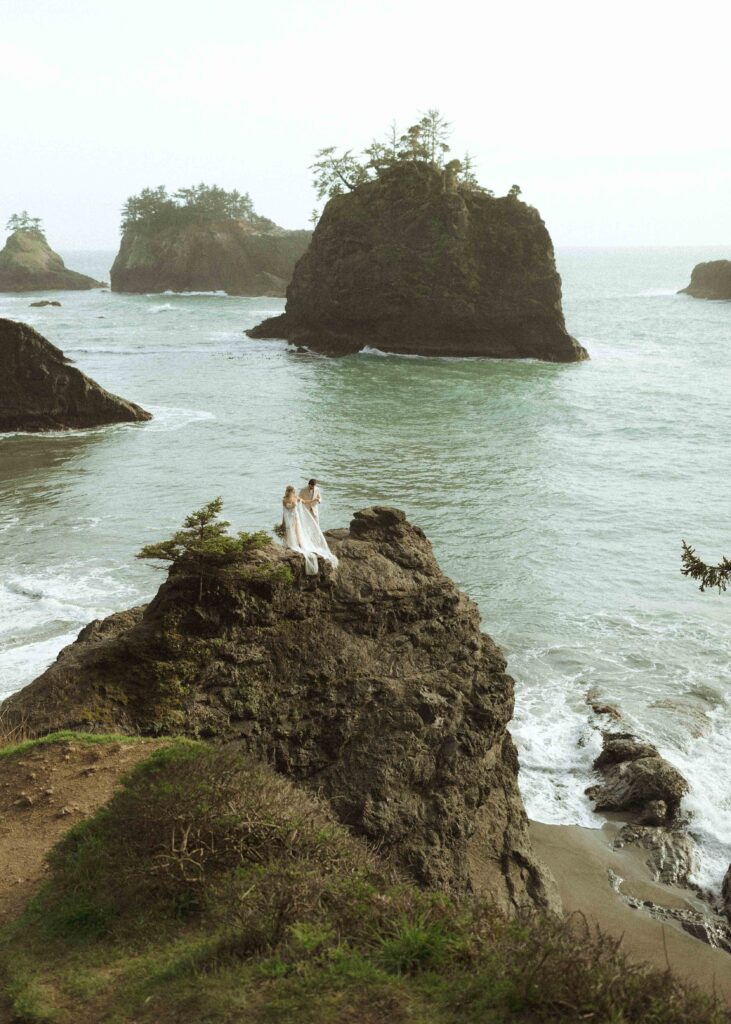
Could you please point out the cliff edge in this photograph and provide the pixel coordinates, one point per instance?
(40, 390)
(29, 264)
(371, 685)
(201, 255)
(415, 263)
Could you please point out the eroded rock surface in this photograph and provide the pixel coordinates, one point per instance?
(673, 855)
(417, 264)
(231, 256)
(41, 390)
(372, 684)
(636, 779)
(726, 893)
(711, 280)
(28, 264)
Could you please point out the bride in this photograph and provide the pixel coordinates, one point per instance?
(302, 532)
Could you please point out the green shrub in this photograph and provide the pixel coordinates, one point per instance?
(212, 889)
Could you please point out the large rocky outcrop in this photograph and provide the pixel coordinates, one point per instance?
(40, 390)
(414, 263)
(29, 264)
(710, 280)
(637, 779)
(198, 255)
(372, 685)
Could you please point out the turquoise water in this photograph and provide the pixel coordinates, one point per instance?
(557, 496)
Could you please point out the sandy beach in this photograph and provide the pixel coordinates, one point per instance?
(597, 880)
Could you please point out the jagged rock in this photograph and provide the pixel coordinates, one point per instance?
(607, 709)
(45, 302)
(654, 813)
(636, 778)
(708, 930)
(726, 893)
(372, 685)
(231, 256)
(622, 746)
(40, 390)
(416, 264)
(29, 264)
(711, 280)
(673, 853)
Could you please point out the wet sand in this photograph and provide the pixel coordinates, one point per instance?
(593, 878)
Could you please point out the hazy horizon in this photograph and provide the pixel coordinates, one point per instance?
(613, 127)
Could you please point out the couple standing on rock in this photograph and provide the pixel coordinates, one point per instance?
(302, 528)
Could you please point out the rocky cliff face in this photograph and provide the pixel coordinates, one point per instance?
(372, 685)
(412, 263)
(230, 256)
(710, 280)
(40, 390)
(28, 264)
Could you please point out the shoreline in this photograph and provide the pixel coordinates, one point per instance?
(596, 880)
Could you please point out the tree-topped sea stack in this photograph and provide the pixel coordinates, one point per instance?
(710, 280)
(29, 264)
(40, 390)
(411, 255)
(203, 239)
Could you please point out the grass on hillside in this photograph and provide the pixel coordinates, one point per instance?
(86, 739)
(210, 889)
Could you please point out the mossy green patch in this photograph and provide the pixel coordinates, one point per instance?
(68, 736)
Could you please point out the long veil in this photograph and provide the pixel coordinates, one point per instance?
(303, 534)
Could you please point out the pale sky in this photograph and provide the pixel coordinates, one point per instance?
(612, 117)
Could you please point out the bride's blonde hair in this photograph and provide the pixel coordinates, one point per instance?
(287, 491)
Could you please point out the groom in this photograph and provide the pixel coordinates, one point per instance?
(312, 493)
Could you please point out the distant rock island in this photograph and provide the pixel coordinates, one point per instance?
(203, 239)
(415, 257)
(710, 280)
(40, 390)
(29, 264)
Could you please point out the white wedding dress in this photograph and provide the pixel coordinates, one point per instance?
(302, 533)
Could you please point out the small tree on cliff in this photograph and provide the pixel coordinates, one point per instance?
(335, 174)
(24, 222)
(203, 546)
(424, 142)
(707, 575)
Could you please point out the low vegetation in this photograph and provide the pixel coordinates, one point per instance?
(210, 889)
(156, 207)
(10, 745)
(203, 548)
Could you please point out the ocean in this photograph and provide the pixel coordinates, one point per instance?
(555, 495)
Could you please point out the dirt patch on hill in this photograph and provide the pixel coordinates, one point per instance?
(44, 790)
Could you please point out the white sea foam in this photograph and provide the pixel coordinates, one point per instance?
(557, 746)
(193, 295)
(19, 665)
(42, 611)
(167, 418)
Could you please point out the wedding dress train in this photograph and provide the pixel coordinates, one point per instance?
(302, 533)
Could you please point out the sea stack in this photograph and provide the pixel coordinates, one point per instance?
(29, 264)
(710, 280)
(371, 685)
(207, 256)
(40, 390)
(415, 262)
